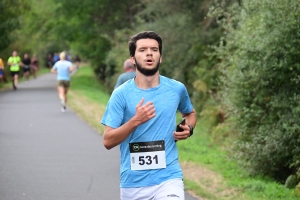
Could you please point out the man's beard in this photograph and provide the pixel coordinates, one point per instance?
(144, 71)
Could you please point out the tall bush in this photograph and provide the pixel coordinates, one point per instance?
(260, 54)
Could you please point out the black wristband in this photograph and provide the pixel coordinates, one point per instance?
(191, 130)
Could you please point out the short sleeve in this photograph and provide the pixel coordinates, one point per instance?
(185, 104)
(114, 112)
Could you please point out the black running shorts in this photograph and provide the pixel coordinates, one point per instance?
(13, 73)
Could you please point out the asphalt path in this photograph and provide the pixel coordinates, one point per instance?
(49, 155)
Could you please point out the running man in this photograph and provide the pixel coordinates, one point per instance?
(14, 62)
(49, 61)
(77, 61)
(26, 66)
(62, 68)
(34, 65)
(141, 117)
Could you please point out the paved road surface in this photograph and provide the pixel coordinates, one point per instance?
(49, 155)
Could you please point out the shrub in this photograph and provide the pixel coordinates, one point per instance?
(260, 65)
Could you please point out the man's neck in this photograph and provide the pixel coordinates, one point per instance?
(146, 82)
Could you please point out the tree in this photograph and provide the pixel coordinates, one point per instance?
(9, 19)
(91, 26)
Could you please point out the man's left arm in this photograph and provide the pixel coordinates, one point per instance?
(190, 123)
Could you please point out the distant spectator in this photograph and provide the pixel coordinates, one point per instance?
(128, 74)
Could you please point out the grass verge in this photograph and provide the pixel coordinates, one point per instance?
(88, 98)
(209, 171)
(212, 170)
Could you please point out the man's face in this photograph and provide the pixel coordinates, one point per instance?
(14, 53)
(147, 56)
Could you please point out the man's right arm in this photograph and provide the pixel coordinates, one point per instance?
(115, 136)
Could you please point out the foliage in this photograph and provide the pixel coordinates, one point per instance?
(91, 25)
(291, 181)
(186, 34)
(9, 19)
(259, 56)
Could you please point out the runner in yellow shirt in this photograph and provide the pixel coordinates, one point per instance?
(14, 62)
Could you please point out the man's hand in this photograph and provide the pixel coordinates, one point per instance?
(114, 136)
(183, 134)
(144, 112)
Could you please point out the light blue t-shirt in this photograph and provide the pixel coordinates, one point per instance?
(62, 68)
(168, 97)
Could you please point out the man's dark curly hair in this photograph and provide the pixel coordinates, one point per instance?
(144, 35)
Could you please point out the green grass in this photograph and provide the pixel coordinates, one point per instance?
(85, 83)
(201, 150)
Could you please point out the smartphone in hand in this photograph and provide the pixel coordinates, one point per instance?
(178, 129)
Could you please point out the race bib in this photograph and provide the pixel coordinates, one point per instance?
(147, 155)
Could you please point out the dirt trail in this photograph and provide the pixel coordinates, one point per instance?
(208, 180)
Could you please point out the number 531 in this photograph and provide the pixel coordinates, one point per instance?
(148, 160)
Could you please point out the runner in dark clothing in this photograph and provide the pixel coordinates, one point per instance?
(77, 61)
(49, 61)
(26, 66)
(34, 65)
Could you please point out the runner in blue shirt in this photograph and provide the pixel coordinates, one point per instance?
(141, 117)
(62, 68)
